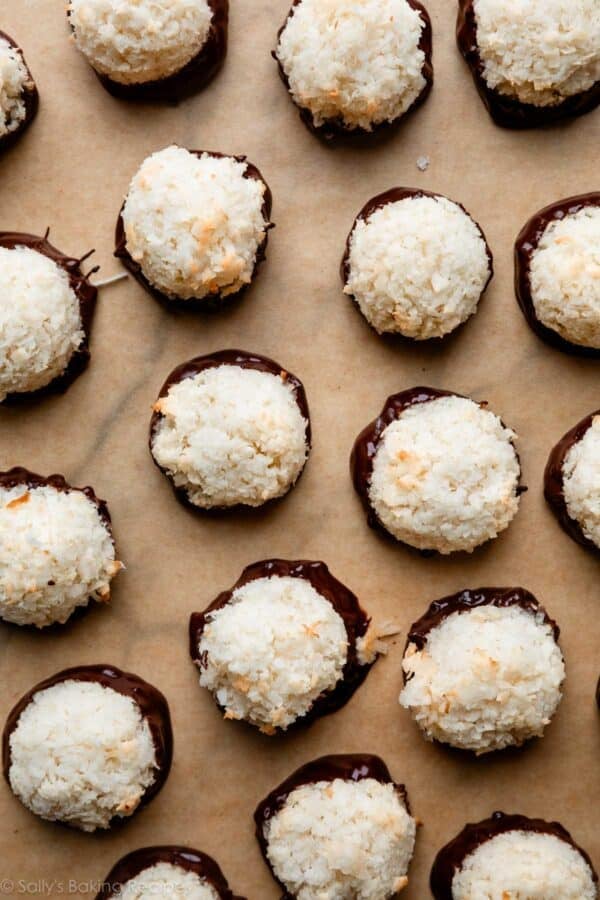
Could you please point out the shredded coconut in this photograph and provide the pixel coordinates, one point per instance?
(40, 322)
(342, 839)
(14, 81)
(231, 435)
(445, 476)
(194, 224)
(167, 882)
(417, 266)
(565, 277)
(81, 754)
(581, 482)
(357, 61)
(539, 51)
(131, 41)
(523, 865)
(487, 678)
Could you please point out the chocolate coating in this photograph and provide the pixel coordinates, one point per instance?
(337, 594)
(554, 484)
(451, 857)
(509, 112)
(335, 129)
(190, 860)
(525, 247)
(394, 195)
(211, 302)
(152, 704)
(31, 99)
(244, 360)
(86, 294)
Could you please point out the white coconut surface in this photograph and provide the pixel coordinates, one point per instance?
(417, 266)
(56, 553)
(487, 678)
(133, 42)
(342, 839)
(360, 62)
(445, 476)
(565, 277)
(581, 482)
(14, 81)
(194, 224)
(231, 435)
(40, 323)
(81, 754)
(523, 865)
(167, 882)
(539, 51)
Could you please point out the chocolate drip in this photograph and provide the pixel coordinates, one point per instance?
(31, 101)
(509, 112)
(451, 857)
(337, 594)
(526, 245)
(213, 302)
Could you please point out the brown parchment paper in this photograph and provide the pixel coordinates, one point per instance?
(71, 172)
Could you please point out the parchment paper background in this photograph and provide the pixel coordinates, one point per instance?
(71, 172)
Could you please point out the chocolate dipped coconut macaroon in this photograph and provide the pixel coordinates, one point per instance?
(509, 856)
(19, 97)
(338, 827)
(164, 50)
(557, 274)
(88, 746)
(534, 62)
(355, 68)
(437, 471)
(416, 264)
(194, 227)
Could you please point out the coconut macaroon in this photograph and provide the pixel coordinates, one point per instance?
(163, 50)
(338, 827)
(483, 670)
(88, 746)
(56, 549)
(512, 856)
(416, 264)
(230, 429)
(18, 94)
(46, 310)
(557, 263)
(194, 226)
(351, 67)
(287, 644)
(533, 61)
(437, 471)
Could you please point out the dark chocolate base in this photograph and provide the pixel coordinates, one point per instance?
(525, 246)
(341, 599)
(31, 99)
(190, 860)
(508, 112)
(244, 360)
(394, 195)
(334, 130)
(214, 302)
(85, 292)
(451, 857)
(153, 707)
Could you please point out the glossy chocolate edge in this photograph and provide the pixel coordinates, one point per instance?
(506, 111)
(334, 129)
(214, 302)
(554, 484)
(525, 246)
(153, 707)
(31, 99)
(244, 360)
(394, 195)
(186, 858)
(450, 858)
(343, 601)
(346, 766)
(87, 296)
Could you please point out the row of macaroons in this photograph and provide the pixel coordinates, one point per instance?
(532, 63)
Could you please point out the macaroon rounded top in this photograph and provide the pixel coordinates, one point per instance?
(416, 264)
(17, 89)
(167, 880)
(353, 66)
